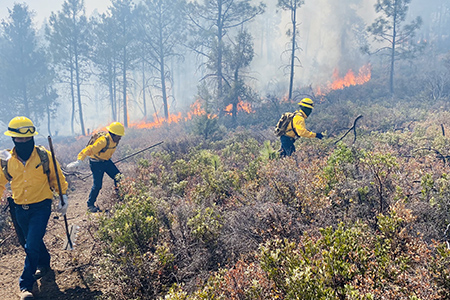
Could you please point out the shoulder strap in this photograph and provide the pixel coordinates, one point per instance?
(107, 143)
(45, 162)
(292, 124)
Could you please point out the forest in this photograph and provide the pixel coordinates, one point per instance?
(214, 212)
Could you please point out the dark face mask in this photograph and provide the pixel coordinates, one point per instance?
(115, 138)
(24, 150)
(306, 110)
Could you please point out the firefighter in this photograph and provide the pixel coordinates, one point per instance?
(99, 153)
(297, 128)
(32, 177)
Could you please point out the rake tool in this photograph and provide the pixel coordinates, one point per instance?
(131, 155)
(67, 245)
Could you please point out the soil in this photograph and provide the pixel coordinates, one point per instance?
(72, 275)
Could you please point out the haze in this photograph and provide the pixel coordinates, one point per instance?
(329, 41)
(43, 8)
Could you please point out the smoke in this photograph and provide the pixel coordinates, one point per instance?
(331, 34)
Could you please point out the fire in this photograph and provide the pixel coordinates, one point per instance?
(241, 106)
(364, 75)
(158, 123)
(195, 110)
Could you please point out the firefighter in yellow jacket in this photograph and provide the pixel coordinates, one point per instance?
(297, 128)
(99, 154)
(32, 192)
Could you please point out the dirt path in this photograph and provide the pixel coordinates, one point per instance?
(72, 276)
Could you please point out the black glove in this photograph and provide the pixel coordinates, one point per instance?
(319, 135)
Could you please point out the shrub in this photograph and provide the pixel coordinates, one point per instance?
(137, 263)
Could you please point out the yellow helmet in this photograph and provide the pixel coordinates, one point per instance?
(306, 102)
(21, 127)
(116, 128)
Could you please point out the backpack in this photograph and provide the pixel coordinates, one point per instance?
(96, 136)
(43, 155)
(281, 127)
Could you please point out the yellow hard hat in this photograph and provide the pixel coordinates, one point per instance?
(21, 127)
(306, 102)
(116, 128)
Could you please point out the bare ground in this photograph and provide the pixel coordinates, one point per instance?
(72, 275)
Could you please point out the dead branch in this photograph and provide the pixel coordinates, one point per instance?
(7, 238)
(351, 128)
(443, 157)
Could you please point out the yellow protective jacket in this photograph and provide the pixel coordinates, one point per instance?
(29, 183)
(299, 126)
(95, 150)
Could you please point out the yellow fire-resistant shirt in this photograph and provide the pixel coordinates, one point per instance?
(95, 150)
(29, 183)
(299, 126)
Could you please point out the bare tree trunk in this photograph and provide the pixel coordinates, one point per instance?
(124, 77)
(144, 102)
(394, 37)
(294, 32)
(163, 76)
(219, 56)
(111, 90)
(235, 97)
(80, 107)
(72, 94)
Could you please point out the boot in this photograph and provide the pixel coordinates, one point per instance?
(41, 271)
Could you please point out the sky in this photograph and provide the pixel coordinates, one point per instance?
(43, 8)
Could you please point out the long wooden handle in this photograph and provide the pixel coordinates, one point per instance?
(61, 198)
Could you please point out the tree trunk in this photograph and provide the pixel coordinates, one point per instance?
(394, 37)
(80, 107)
(235, 97)
(294, 32)
(219, 55)
(144, 102)
(72, 94)
(124, 77)
(111, 90)
(163, 76)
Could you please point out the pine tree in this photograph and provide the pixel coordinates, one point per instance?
(162, 31)
(213, 21)
(26, 76)
(68, 33)
(387, 30)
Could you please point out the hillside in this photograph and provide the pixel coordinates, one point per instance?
(211, 214)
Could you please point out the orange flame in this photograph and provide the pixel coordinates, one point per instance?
(241, 106)
(158, 123)
(196, 110)
(364, 75)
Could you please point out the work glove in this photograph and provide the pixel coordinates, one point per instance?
(5, 155)
(62, 209)
(73, 165)
(319, 135)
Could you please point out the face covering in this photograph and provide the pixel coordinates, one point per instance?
(306, 110)
(24, 150)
